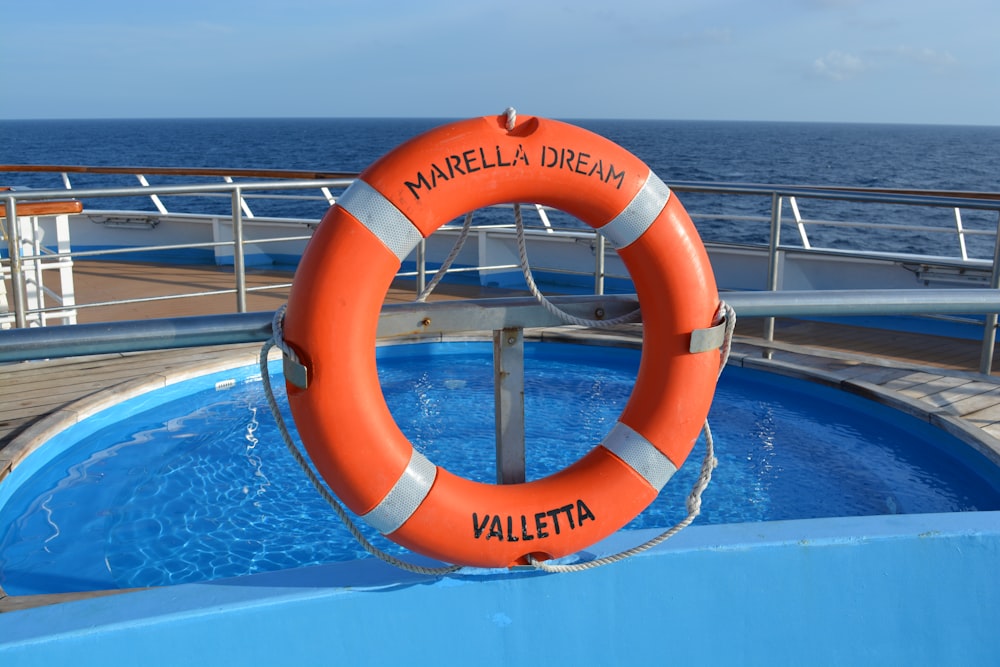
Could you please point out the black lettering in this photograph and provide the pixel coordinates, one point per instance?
(455, 165)
(540, 525)
(618, 176)
(554, 154)
(496, 528)
(482, 158)
(581, 163)
(492, 526)
(421, 183)
(524, 529)
(477, 528)
(522, 155)
(555, 516)
(566, 159)
(583, 512)
(555, 519)
(469, 158)
(598, 169)
(500, 162)
(569, 515)
(437, 172)
(511, 537)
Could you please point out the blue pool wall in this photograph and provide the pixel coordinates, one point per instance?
(914, 590)
(903, 589)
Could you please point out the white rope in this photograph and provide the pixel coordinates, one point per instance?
(443, 269)
(511, 114)
(522, 251)
(693, 501)
(694, 497)
(277, 340)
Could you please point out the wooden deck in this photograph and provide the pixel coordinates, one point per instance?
(920, 373)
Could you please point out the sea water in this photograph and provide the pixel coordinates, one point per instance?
(931, 157)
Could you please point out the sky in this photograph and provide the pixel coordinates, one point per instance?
(882, 61)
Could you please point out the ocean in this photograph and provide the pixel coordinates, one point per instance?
(930, 157)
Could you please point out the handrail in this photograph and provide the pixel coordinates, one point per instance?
(404, 320)
(295, 180)
(181, 171)
(192, 188)
(786, 189)
(680, 186)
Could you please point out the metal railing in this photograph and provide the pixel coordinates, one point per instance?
(507, 318)
(776, 198)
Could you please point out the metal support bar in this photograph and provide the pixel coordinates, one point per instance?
(239, 265)
(990, 326)
(773, 272)
(421, 265)
(16, 269)
(508, 390)
(599, 263)
(155, 199)
(410, 319)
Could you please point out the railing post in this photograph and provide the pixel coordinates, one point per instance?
(16, 269)
(990, 325)
(508, 388)
(421, 266)
(599, 263)
(239, 267)
(803, 235)
(773, 269)
(961, 234)
(243, 204)
(154, 198)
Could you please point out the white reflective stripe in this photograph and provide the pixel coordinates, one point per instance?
(640, 213)
(381, 217)
(640, 455)
(404, 497)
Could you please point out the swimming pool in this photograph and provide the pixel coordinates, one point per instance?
(195, 483)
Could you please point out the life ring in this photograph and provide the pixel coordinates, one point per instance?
(346, 271)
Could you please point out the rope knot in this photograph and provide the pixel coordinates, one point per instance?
(278, 333)
(511, 114)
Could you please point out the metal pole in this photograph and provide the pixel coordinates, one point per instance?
(599, 264)
(16, 269)
(508, 389)
(421, 265)
(773, 270)
(239, 267)
(990, 325)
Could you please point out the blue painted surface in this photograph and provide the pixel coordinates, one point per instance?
(914, 590)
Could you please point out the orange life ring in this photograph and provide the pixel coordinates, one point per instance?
(346, 272)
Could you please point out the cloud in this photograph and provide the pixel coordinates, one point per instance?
(839, 66)
(936, 61)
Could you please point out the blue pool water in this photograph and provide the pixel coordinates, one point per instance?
(195, 483)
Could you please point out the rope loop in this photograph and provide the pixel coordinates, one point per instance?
(541, 298)
(277, 340)
(694, 500)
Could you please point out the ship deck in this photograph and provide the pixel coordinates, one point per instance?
(932, 377)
